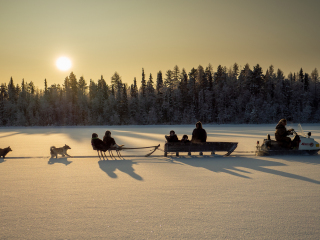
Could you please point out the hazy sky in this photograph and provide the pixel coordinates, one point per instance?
(102, 36)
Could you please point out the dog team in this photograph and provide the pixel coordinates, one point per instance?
(101, 145)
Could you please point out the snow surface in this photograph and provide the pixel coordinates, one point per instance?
(199, 197)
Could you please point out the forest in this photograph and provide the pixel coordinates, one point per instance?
(227, 95)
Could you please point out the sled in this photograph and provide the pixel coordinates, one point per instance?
(305, 146)
(119, 148)
(201, 147)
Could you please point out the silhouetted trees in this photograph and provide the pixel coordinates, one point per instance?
(231, 95)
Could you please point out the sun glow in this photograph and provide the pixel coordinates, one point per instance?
(63, 63)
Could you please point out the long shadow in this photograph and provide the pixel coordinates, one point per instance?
(59, 160)
(231, 166)
(314, 159)
(109, 167)
(9, 135)
(2, 160)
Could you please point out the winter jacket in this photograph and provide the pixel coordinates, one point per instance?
(281, 133)
(199, 135)
(98, 144)
(108, 141)
(173, 138)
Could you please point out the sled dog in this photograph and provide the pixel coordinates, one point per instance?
(62, 151)
(4, 151)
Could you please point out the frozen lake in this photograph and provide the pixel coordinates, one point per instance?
(157, 197)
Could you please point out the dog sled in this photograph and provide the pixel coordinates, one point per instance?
(118, 148)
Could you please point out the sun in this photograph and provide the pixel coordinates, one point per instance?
(63, 63)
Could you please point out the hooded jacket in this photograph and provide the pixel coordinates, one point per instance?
(98, 144)
(108, 141)
(281, 132)
(199, 135)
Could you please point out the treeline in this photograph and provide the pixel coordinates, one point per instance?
(176, 97)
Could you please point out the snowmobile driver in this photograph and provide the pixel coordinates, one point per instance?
(282, 133)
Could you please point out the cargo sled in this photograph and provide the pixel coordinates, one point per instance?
(201, 147)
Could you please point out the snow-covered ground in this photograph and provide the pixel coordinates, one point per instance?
(199, 197)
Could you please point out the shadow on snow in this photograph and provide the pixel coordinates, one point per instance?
(59, 160)
(109, 167)
(234, 165)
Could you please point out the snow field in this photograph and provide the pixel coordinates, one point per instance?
(241, 196)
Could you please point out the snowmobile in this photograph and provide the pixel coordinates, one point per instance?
(301, 145)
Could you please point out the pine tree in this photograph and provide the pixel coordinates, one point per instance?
(184, 89)
(193, 95)
(92, 89)
(159, 98)
(11, 91)
(257, 80)
(116, 81)
(124, 113)
(301, 75)
(218, 76)
(133, 103)
(235, 70)
(175, 75)
(150, 87)
(209, 76)
(201, 79)
(45, 87)
(159, 82)
(306, 82)
(103, 88)
(150, 96)
(143, 84)
(315, 92)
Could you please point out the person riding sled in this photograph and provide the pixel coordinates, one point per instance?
(110, 142)
(172, 137)
(97, 143)
(282, 133)
(199, 134)
(185, 139)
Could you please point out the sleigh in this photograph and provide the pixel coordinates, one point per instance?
(118, 149)
(201, 147)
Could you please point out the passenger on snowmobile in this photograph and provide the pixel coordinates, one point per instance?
(282, 133)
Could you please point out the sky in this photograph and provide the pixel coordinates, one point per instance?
(102, 37)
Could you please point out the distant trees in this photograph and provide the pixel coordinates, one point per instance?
(233, 95)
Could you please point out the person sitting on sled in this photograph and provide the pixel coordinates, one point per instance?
(199, 134)
(110, 142)
(185, 139)
(97, 143)
(282, 133)
(172, 137)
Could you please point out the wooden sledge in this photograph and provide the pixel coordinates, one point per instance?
(118, 148)
(189, 147)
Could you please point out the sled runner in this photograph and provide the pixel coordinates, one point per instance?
(305, 145)
(201, 147)
(118, 148)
